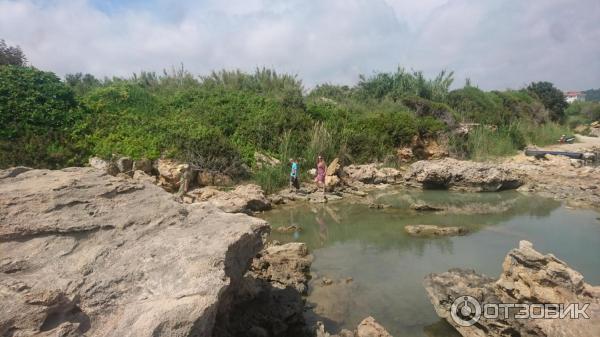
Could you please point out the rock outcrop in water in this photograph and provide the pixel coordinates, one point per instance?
(527, 277)
(368, 327)
(86, 253)
(460, 175)
(433, 230)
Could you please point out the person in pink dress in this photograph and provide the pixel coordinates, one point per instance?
(321, 171)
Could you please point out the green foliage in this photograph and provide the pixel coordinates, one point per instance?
(592, 95)
(37, 113)
(271, 178)
(581, 113)
(11, 55)
(551, 97)
(402, 83)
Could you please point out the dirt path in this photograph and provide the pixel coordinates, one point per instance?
(583, 142)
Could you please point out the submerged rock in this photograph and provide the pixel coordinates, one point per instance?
(432, 230)
(527, 277)
(288, 229)
(85, 253)
(461, 175)
(425, 208)
(368, 327)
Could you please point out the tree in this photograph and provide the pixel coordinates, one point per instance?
(11, 55)
(552, 98)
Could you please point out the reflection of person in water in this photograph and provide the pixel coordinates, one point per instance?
(323, 230)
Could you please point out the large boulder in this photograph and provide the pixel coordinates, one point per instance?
(460, 175)
(85, 253)
(243, 199)
(286, 265)
(372, 174)
(209, 178)
(528, 277)
(144, 165)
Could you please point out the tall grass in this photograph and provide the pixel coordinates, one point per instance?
(484, 143)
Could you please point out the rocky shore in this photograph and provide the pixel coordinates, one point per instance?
(528, 277)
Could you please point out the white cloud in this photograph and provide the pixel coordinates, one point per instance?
(498, 44)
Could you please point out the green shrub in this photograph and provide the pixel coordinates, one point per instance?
(37, 112)
(271, 178)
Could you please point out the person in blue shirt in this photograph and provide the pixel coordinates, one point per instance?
(294, 182)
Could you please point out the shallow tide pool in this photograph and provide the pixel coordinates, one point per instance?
(378, 269)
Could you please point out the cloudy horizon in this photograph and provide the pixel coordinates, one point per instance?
(497, 44)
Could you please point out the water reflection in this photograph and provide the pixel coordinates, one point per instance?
(387, 266)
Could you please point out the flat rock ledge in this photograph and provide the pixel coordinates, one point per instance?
(527, 277)
(433, 230)
(461, 175)
(86, 253)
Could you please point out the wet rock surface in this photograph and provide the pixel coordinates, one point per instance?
(461, 175)
(85, 253)
(527, 277)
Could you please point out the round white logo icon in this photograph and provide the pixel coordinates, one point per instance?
(465, 310)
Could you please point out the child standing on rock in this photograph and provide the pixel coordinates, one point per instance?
(294, 175)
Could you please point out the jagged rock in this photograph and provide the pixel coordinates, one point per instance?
(425, 208)
(461, 175)
(87, 253)
(331, 182)
(242, 199)
(527, 277)
(286, 265)
(144, 165)
(125, 164)
(372, 174)
(206, 178)
(169, 174)
(432, 230)
(334, 167)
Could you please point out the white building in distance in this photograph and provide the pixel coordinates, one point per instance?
(572, 96)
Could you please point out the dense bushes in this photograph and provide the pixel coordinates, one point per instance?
(38, 112)
(218, 122)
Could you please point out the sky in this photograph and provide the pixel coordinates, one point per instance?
(497, 44)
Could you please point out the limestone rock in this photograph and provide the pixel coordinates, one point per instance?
(527, 277)
(286, 265)
(125, 165)
(461, 175)
(206, 178)
(331, 182)
(170, 172)
(372, 174)
(144, 165)
(242, 199)
(432, 230)
(98, 163)
(143, 177)
(370, 328)
(83, 252)
(334, 167)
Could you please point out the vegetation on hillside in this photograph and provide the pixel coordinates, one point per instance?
(219, 121)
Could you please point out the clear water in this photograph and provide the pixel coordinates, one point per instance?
(387, 266)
